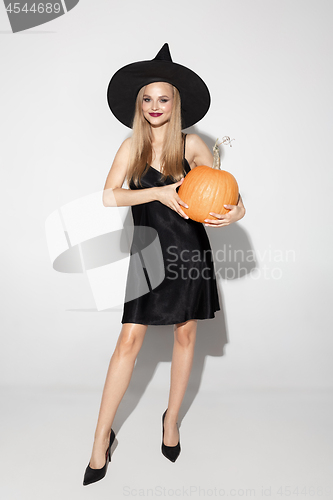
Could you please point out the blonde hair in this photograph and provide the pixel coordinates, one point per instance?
(141, 143)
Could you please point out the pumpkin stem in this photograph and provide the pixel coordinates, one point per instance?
(225, 140)
(216, 152)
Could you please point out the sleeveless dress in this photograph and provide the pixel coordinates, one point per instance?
(171, 276)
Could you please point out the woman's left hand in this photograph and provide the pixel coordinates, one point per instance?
(237, 212)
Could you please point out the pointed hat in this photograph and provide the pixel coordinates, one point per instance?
(128, 80)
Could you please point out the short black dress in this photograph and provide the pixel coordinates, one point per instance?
(171, 276)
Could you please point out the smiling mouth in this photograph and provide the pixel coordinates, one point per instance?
(155, 114)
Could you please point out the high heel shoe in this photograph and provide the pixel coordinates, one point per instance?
(170, 452)
(93, 475)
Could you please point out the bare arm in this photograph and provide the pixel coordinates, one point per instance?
(116, 196)
(197, 152)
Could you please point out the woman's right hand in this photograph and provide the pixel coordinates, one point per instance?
(169, 197)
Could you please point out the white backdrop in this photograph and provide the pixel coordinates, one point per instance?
(268, 67)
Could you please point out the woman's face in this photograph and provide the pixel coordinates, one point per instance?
(157, 103)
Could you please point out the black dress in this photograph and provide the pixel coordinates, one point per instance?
(171, 276)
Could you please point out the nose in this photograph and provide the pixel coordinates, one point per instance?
(154, 105)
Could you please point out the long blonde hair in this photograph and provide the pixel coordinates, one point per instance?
(141, 143)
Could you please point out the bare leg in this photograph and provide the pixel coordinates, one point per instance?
(182, 358)
(117, 380)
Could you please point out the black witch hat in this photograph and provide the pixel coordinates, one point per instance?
(127, 81)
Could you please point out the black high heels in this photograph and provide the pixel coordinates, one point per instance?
(93, 475)
(170, 452)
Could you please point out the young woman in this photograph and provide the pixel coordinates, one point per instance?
(167, 284)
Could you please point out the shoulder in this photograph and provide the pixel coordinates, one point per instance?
(126, 144)
(194, 143)
(124, 148)
(193, 140)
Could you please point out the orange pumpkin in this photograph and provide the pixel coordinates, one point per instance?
(207, 189)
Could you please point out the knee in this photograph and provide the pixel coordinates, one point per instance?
(185, 336)
(127, 345)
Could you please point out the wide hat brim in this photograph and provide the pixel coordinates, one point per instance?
(127, 81)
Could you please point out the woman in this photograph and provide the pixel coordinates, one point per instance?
(157, 99)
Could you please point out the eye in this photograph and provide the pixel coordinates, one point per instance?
(164, 100)
(146, 99)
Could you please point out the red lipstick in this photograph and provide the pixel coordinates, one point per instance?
(155, 114)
